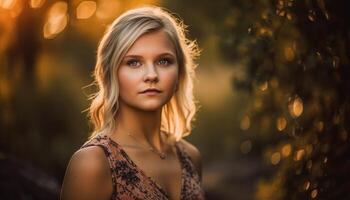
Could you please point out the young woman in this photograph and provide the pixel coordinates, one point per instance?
(143, 108)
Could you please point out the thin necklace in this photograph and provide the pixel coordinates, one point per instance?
(162, 155)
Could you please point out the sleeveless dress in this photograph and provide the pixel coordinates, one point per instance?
(130, 182)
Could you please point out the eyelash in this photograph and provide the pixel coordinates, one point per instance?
(169, 61)
(132, 62)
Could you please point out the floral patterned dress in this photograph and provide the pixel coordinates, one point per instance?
(130, 182)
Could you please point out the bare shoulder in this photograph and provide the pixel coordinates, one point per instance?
(87, 176)
(194, 153)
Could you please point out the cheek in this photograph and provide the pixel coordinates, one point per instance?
(171, 78)
(127, 80)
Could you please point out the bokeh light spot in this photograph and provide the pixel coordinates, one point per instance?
(307, 185)
(289, 53)
(36, 3)
(314, 193)
(86, 9)
(286, 150)
(57, 20)
(299, 154)
(264, 86)
(275, 158)
(7, 4)
(295, 107)
(245, 123)
(281, 123)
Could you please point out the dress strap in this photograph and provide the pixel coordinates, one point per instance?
(187, 162)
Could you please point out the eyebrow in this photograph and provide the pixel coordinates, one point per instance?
(160, 55)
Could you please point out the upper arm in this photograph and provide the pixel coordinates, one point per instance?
(87, 176)
(195, 155)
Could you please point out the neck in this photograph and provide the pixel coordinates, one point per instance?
(142, 125)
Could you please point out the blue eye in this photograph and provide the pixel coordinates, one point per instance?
(164, 61)
(133, 63)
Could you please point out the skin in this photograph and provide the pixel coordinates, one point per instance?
(150, 63)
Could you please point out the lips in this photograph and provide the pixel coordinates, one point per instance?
(151, 90)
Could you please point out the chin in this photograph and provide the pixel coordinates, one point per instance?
(151, 107)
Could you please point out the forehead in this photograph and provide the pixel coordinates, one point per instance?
(156, 42)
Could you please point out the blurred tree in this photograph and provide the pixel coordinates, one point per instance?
(296, 55)
(47, 53)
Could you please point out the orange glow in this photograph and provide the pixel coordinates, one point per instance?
(108, 9)
(311, 15)
(296, 107)
(307, 185)
(275, 158)
(36, 3)
(286, 150)
(264, 86)
(245, 123)
(13, 6)
(7, 4)
(17, 9)
(289, 53)
(7, 35)
(57, 20)
(86, 9)
(281, 123)
(314, 193)
(265, 31)
(299, 155)
(282, 13)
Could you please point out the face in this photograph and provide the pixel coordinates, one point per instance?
(150, 64)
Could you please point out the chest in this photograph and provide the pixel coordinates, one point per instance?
(164, 174)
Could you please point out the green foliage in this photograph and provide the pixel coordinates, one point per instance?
(297, 72)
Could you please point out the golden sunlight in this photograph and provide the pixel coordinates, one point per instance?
(295, 107)
(13, 7)
(286, 150)
(275, 158)
(107, 9)
(299, 154)
(264, 86)
(36, 3)
(7, 4)
(314, 193)
(281, 123)
(86, 9)
(57, 20)
(307, 185)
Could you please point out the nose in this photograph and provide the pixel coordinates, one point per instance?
(151, 74)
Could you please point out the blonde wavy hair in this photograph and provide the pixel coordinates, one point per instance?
(179, 112)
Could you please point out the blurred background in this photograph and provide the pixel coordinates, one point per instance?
(273, 83)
